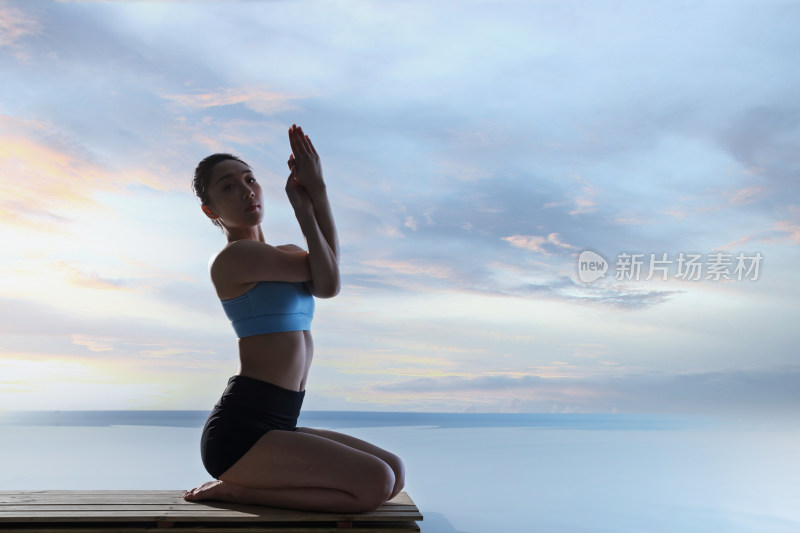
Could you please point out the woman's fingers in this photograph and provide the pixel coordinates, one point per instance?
(303, 140)
(300, 142)
(304, 160)
(297, 142)
(293, 141)
(311, 145)
(298, 196)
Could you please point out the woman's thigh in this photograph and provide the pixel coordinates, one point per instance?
(285, 459)
(388, 457)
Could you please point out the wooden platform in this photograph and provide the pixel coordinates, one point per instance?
(56, 511)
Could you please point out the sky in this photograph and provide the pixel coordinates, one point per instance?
(473, 152)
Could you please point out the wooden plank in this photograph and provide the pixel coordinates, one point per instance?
(232, 516)
(400, 510)
(46, 511)
(227, 513)
(116, 496)
(388, 527)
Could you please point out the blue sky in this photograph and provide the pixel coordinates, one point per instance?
(472, 150)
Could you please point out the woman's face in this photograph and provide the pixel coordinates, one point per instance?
(234, 195)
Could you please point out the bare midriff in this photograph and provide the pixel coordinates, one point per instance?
(282, 358)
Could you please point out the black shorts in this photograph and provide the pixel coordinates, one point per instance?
(247, 409)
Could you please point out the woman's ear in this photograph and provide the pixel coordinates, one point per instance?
(209, 213)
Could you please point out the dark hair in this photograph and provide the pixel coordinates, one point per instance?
(202, 175)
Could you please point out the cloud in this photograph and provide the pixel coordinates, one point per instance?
(589, 349)
(630, 219)
(259, 99)
(21, 328)
(459, 383)
(762, 138)
(745, 196)
(705, 204)
(15, 25)
(781, 232)
(410, 268)
(790, 229)
(623, 297)
(535, 243)
(160, 350)
(90, 280)
(739, 392)
(517, 276)
(94, 344)
(585, 201)
(45, 178)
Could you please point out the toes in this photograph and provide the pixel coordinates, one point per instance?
(204, 491)
(193, 494)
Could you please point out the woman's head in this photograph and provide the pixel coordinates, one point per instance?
(223, 183)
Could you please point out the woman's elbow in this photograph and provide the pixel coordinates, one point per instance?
(328, 293)
(334, 289)
(327, 290)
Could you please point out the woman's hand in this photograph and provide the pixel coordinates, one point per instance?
(298, 196)
(304, 161)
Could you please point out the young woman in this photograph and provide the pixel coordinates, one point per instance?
(250, 442)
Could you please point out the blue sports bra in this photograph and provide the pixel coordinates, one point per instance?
(270, 307)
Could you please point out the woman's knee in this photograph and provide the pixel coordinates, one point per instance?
(399, 470)
(398, 467)
(377, 486)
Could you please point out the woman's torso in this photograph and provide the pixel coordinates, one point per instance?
(281, 358)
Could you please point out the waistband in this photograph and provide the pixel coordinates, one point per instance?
(244, 391)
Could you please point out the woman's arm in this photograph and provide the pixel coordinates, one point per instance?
(308, 194)
(322, 261)
(322, 210)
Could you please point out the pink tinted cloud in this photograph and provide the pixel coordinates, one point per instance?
(536, 243)
(256, 98)
(410, 268)
(44, 178)
(15, 25)
(745, 196)
(781, 231)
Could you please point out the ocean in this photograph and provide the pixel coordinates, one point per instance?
(468, 472)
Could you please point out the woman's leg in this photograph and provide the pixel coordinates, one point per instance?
(389, 458)
(299, 470)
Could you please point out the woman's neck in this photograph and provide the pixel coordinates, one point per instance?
(252, 234)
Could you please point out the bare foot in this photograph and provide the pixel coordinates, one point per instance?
(213, 490)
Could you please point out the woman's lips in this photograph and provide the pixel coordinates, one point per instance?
(251, 207)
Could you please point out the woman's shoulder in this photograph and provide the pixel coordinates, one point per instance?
(246, 261)
(223, 267)
(232, 253)
(238, 250)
